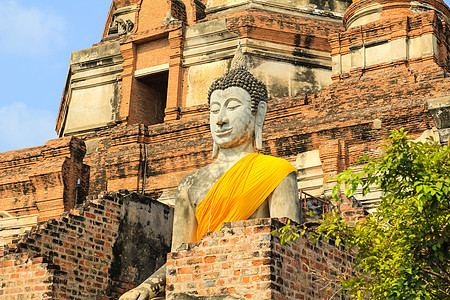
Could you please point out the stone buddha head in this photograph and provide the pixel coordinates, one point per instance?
(238, 106)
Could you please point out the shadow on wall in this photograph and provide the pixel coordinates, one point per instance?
(144, 239)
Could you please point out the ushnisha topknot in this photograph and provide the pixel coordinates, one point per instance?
(242, 78)
(239, 76)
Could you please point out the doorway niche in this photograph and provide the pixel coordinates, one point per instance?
(151, 93)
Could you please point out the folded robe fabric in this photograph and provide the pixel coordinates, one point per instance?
(240, 191)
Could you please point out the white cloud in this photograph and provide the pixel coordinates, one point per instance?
(29, 30)
(22, 126)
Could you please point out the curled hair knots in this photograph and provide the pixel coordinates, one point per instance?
(242, 78)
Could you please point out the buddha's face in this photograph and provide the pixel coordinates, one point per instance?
(231, 120)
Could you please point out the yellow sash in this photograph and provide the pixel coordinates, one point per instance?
(240, 191)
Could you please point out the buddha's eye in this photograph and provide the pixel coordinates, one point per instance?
(233, 104)
(214, 109)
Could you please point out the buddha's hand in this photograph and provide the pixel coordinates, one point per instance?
(139, 293)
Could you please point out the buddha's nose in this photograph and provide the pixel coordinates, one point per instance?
(222, 120)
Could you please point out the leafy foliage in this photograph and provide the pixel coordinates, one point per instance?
(403, 249)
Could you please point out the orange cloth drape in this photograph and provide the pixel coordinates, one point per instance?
(240, 191)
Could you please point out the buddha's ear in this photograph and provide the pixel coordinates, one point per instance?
(215, 151)
(259, 122)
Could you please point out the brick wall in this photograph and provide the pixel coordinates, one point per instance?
(23, 275)
(44, 180)
(150, 100)
(389, 29)
(78, 245)
(199, 8)
(153, 13)
(123, 3)
(81, 254)
(152, 53)
(393, 8)
(242, 261)
(142, 50)
(178, 9)
(142, 243)
(302, 32)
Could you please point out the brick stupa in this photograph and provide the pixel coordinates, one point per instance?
(88, 215)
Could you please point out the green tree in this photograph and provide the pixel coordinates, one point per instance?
(403, 249)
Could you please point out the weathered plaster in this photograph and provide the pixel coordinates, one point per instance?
(92, 91)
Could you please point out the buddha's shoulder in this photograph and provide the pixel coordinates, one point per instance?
(277, 163)
(195, 177)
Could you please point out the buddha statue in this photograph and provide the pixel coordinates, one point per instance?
(240, 184)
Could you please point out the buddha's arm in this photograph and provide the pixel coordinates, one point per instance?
(184, 230)
(284, 200)
(184, 221)
(150, 288)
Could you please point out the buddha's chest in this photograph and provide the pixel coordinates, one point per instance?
(204, 181)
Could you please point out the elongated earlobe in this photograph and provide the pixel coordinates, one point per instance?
(258, 137)
(215, 151)
(260, 117)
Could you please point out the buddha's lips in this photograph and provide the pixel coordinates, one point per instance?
(225, 132)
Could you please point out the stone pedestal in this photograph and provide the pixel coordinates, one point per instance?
(243, 261)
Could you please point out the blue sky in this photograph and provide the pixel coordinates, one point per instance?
(36, 39)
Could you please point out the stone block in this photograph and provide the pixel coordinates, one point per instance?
(429, 45)
(399, 49)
